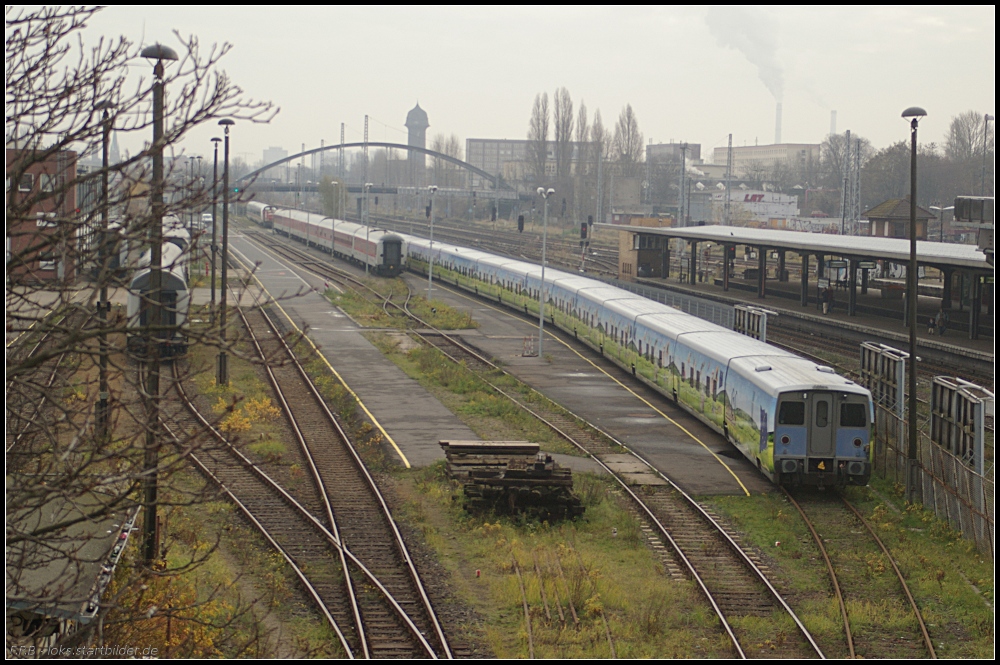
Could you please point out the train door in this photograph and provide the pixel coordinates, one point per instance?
(393, 254)
(821, 425)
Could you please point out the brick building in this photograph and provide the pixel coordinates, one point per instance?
(41, 209)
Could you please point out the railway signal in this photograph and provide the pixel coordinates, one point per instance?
(520, 223)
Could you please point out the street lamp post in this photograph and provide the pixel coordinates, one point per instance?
(154, 322)
(103, 308)
(215, 206)
(430, 267)
(913, 114)
(545, 194)
(222, 369)
(941, 210)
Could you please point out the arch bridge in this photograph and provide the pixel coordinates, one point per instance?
(495, 179)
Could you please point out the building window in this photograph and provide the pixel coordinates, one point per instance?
(45, 219)
(47, 182)
(27, 182)
(46, 262)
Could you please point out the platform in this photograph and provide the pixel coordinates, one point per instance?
(414, 419)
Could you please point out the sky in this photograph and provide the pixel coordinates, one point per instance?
(690, 74)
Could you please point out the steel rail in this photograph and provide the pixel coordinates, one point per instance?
(829, 569)
(359, 463)
(899, 575)
(303, 578)
(648, 511)
(302, 510)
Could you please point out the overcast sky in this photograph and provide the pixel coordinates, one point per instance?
(692, 74)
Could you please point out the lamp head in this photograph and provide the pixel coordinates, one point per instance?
(549, 192)
(914, 113)
(159, 52)
(541, 191)
(216, 140)
(432, 189)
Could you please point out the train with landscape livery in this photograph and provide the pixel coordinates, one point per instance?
(382, 251)
(798, 422)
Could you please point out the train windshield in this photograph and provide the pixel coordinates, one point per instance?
(853, 415)
(792, 413)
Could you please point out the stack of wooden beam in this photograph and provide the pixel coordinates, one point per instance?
(511, 476)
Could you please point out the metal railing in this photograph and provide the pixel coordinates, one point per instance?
(717, 313)
(948, 485)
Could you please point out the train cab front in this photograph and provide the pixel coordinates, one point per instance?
(823, 438)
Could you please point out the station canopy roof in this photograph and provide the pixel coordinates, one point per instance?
(869, 248)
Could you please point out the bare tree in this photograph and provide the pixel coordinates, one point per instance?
(755, 172)
(538, 135)
(447, 174)
(965, 137)
(834, 153)
(600, 142)
(582, 140)
(600, 139)
(562, 113)
(62, 476)
(628, 143)
(971, 149)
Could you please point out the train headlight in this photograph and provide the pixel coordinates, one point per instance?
(858, 442)
(785, 440)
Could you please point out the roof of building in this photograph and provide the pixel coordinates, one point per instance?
(858, 247)
(896, 209)
(417, 117)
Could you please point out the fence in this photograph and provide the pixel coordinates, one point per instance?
(710, 311)
(947, 485)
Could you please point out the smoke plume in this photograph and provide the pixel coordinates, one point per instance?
(753, 34)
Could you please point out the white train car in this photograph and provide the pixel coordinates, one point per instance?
(174, 301)
(380, 250)
(798, 422)
(260, 213)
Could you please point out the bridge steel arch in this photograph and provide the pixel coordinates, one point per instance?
(495, 179)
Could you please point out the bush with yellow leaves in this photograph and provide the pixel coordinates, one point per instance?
(242, 418)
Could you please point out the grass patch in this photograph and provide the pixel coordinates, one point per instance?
(491, 416)
(940, 567)
(367, 309)
(579, 562)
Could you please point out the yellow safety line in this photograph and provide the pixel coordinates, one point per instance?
(602, 371)
(374, 420)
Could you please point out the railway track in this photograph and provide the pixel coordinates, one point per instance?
(30, 391)
(833, 522)
(288, 525)
(401, 622)
(730, 578)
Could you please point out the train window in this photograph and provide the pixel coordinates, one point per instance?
(822, 413)
(792, 413)
(853, 415)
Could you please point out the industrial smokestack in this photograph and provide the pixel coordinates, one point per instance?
(777, 124)
(833, 123)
